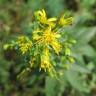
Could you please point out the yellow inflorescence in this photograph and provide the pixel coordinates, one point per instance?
(45, 64)
(50, 38)
(44, 38)
(43, 18)
(65, 21)
(24, 44)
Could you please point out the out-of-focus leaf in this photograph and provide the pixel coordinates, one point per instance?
(84, 50)
(79, 68)
(50, 86)
(90, 66)
(86, 35)
(86, 4)
(76, 81)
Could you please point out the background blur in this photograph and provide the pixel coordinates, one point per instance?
(80, 79)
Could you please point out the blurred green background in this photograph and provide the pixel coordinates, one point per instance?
(80, 79)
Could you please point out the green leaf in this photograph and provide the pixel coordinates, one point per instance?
(79, 68)
(55, 87)
(76, 81)
(50, 86)
(84, 50)
(87, 34)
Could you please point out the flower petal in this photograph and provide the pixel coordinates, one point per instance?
(52, 19)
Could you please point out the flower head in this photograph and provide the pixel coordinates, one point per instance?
(50, 38)
(45, 36)
(43, 18)
(24, 44)
(65, 21)
(45, 61)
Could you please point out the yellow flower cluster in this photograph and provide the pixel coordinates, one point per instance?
(52, 21)
(45, 37)
(43, 18)
(45, 64)
(24, 44)
(65, 21)
(49, 37)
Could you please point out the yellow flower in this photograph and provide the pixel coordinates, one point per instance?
(50, 38)
(45, 61)
(24, 44)
(21, 39)
(25, 47)
(65, 21)
(56, 46)
(43, 18)
(35, 35)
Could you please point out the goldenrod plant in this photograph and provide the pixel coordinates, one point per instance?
(45, 40)
(17, 21)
